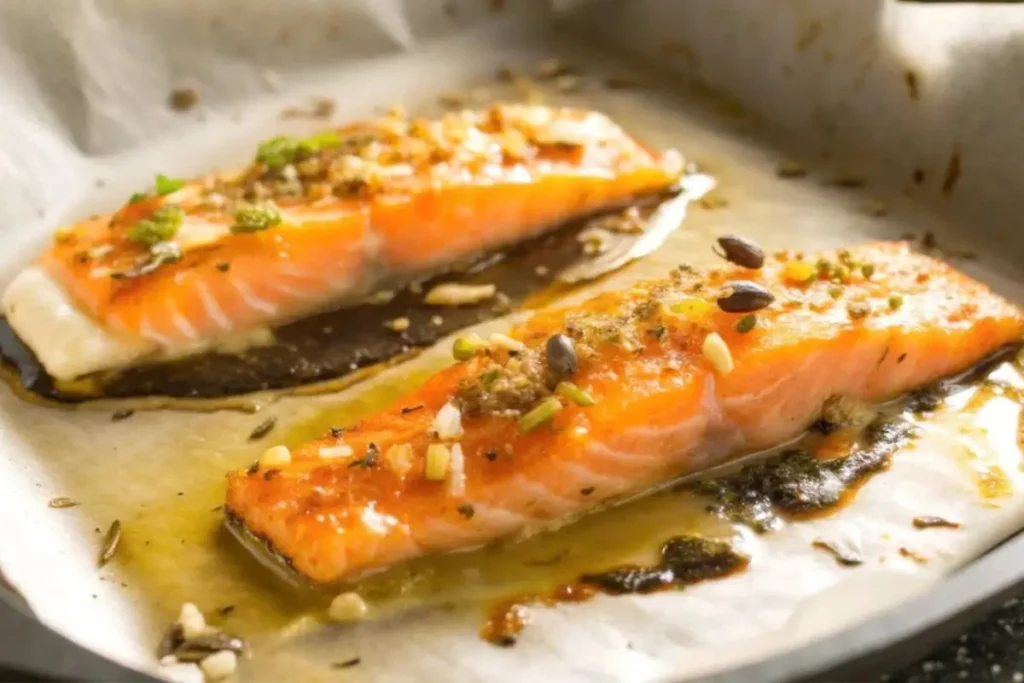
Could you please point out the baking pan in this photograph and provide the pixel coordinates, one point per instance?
(884, 92)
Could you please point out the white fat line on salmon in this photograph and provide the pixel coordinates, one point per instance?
(302, 294)
(212, 308)
(435, 527)
(180, 322)
(537, 491)
(779, 383)
(250, 299)
(146, 331)
(498, 517)
(587, 477)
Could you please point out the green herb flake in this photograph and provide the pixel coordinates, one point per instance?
(540, 415)
(895, 301)
(278, 152)
(164, 185)
(835, 291)
(161, 226)
(138, 197)
(575, 394)
(256, 218)
(746, 323)
(867, 270)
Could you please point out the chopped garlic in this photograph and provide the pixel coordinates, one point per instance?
(505, 342)
(399, 457)
(448, 422)
(339, 451)
(191, 620)
(457, 472)
(398, 324)
(347, 606)
(219, 665)
(436, 320)
(455, 294)
(717, 352)
(438, 458)
(275, 456)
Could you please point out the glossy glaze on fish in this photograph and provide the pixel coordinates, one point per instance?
(315, 223)
(664, 383)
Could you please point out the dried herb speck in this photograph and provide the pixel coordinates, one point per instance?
(121, 415)
(347, 664)
(586, 491)
(466, 510)
(262, 429)
(411, 409)
(110, 542)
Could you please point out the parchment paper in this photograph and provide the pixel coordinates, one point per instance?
(83, 98)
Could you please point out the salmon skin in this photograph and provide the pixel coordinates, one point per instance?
(314, 223)
(663, 383)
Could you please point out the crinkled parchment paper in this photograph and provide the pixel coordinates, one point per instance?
(83, 100)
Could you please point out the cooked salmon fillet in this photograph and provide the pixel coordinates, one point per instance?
(665, 383)
(317, 221)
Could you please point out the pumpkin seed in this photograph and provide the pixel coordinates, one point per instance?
(63, 502)
(741, 251)
(561, 354)
(744, 296)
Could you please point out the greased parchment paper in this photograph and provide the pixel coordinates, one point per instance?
(84, 90)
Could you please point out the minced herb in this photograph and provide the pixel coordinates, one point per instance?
(255, 218)
(164, 185)
(162, 225)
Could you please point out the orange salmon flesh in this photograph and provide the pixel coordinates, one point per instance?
(368, 203)
(660, 401)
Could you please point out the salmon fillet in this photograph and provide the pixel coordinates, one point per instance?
(318, 221)
(652, 397)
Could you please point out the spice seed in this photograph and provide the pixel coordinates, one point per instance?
(110, 542)
(744, 296)
(741, 251)
(63, 502)
(262, 429)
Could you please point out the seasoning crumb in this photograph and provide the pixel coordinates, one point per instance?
(451, 100)
(913, 555)
(586, 491)
(713, 200)
(918, 176)
(858, 310)
(876, 207)
(262, 429)
(791, 169)
(347, 664)
(398, 324)
(121, 415)
(111, 540)
(845, 557)
(551, 68)
(930, 521)
(316, 108)
(466, 510)
(436, 320)
(952, 174)
(928, 241)
(910, 79)
(568, 83)
(621, 83)
(62, 502)
(456, 294)
(183, 99)
(411, 409)
(541, 271)
(848, 180)
(223, 266)
(491, 454)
